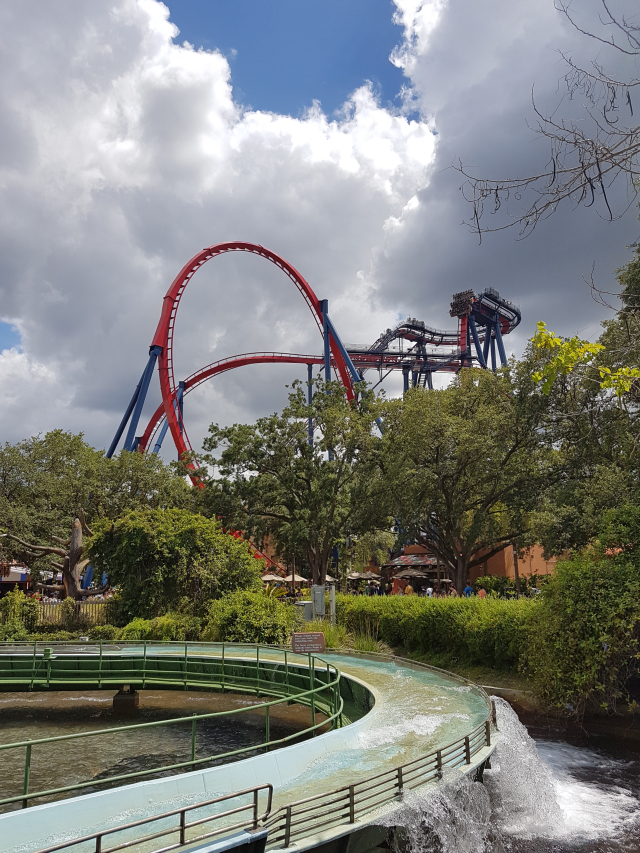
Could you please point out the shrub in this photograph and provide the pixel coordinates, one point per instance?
(158, 557)
(491, 632)
(12, 629)
(335, 636)
(584, 643)
(103, 632)
(17, 609)
(249, 617)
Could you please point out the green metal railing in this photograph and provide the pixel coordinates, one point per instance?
(180, 830)
(315, 684)
(347, 805)
(342, 807)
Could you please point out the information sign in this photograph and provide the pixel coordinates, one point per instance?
(313, 642)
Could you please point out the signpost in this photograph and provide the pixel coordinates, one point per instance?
(305, 643)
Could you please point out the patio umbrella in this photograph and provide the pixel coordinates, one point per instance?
(330, 579)
(267, 578)
(295, 579)
(370, 576)
(411, 573)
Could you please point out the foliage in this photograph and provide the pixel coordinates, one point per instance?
(583, 645)
(103, 633)
(274, 484)
(249, 617)
(18, 609)
(462, 468)
(335, 636)
(46, 480)
(492, 632)
(159, 557)
(170, 626)
(567, 354)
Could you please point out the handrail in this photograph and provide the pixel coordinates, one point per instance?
(183, 825)
(311, 815)
(323, 694)
(346, 805)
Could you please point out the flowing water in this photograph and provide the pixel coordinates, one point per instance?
(25, 716)
(542, 796)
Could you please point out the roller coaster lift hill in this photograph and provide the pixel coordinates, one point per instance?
(412, 347)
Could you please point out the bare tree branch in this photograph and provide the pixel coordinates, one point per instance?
(586, 158)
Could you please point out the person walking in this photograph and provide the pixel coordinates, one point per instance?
(468, 590)
(482, 592)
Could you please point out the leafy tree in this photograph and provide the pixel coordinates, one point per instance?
(583, 643)
(158, 558)
(46, 481)
(592, 421)
(463, 467)
(274, 483)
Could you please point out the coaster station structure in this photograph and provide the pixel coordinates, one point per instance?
(411, 347)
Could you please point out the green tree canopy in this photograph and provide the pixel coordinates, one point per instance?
(463, 467)
(45, 481)
(274, 483)
(160, 558)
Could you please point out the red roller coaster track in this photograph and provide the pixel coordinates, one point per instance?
(163, 337)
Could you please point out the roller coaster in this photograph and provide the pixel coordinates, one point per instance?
(411, 347)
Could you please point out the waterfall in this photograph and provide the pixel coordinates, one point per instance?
(521, 806)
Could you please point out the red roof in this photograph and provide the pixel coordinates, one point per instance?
(410, 560)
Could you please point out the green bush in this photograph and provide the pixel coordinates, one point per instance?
(171, 626)
(52, 634)
(103, 632)
(159, 557)
(17, 609)
(584, 643)
(249, 617)
(491, 632)
(12, 629)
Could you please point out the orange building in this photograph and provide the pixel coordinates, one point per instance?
(501, 564)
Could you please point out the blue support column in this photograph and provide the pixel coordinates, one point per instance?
(154, 352)
(476, 341)
(324, 304)
(350, 365)
(493, 354)
(180, 403)
(125, 419)
(405, 378)
(163, 432)
(488, 332)
(429, 380)
(310, 401)
(503, 355)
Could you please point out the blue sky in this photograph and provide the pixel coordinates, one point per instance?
(290, 52)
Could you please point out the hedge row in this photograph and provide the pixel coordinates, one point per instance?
(492, 632)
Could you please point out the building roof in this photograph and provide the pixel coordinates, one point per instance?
(408, 561)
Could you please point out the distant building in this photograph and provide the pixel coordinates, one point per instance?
(14, 574)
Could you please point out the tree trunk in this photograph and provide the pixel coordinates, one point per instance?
(516, 570)
(73, 564)
(460, 578)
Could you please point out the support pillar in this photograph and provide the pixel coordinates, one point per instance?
(310, 401)
(126, 701)
(405, 378)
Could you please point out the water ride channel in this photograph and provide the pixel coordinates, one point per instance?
(363, 732)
